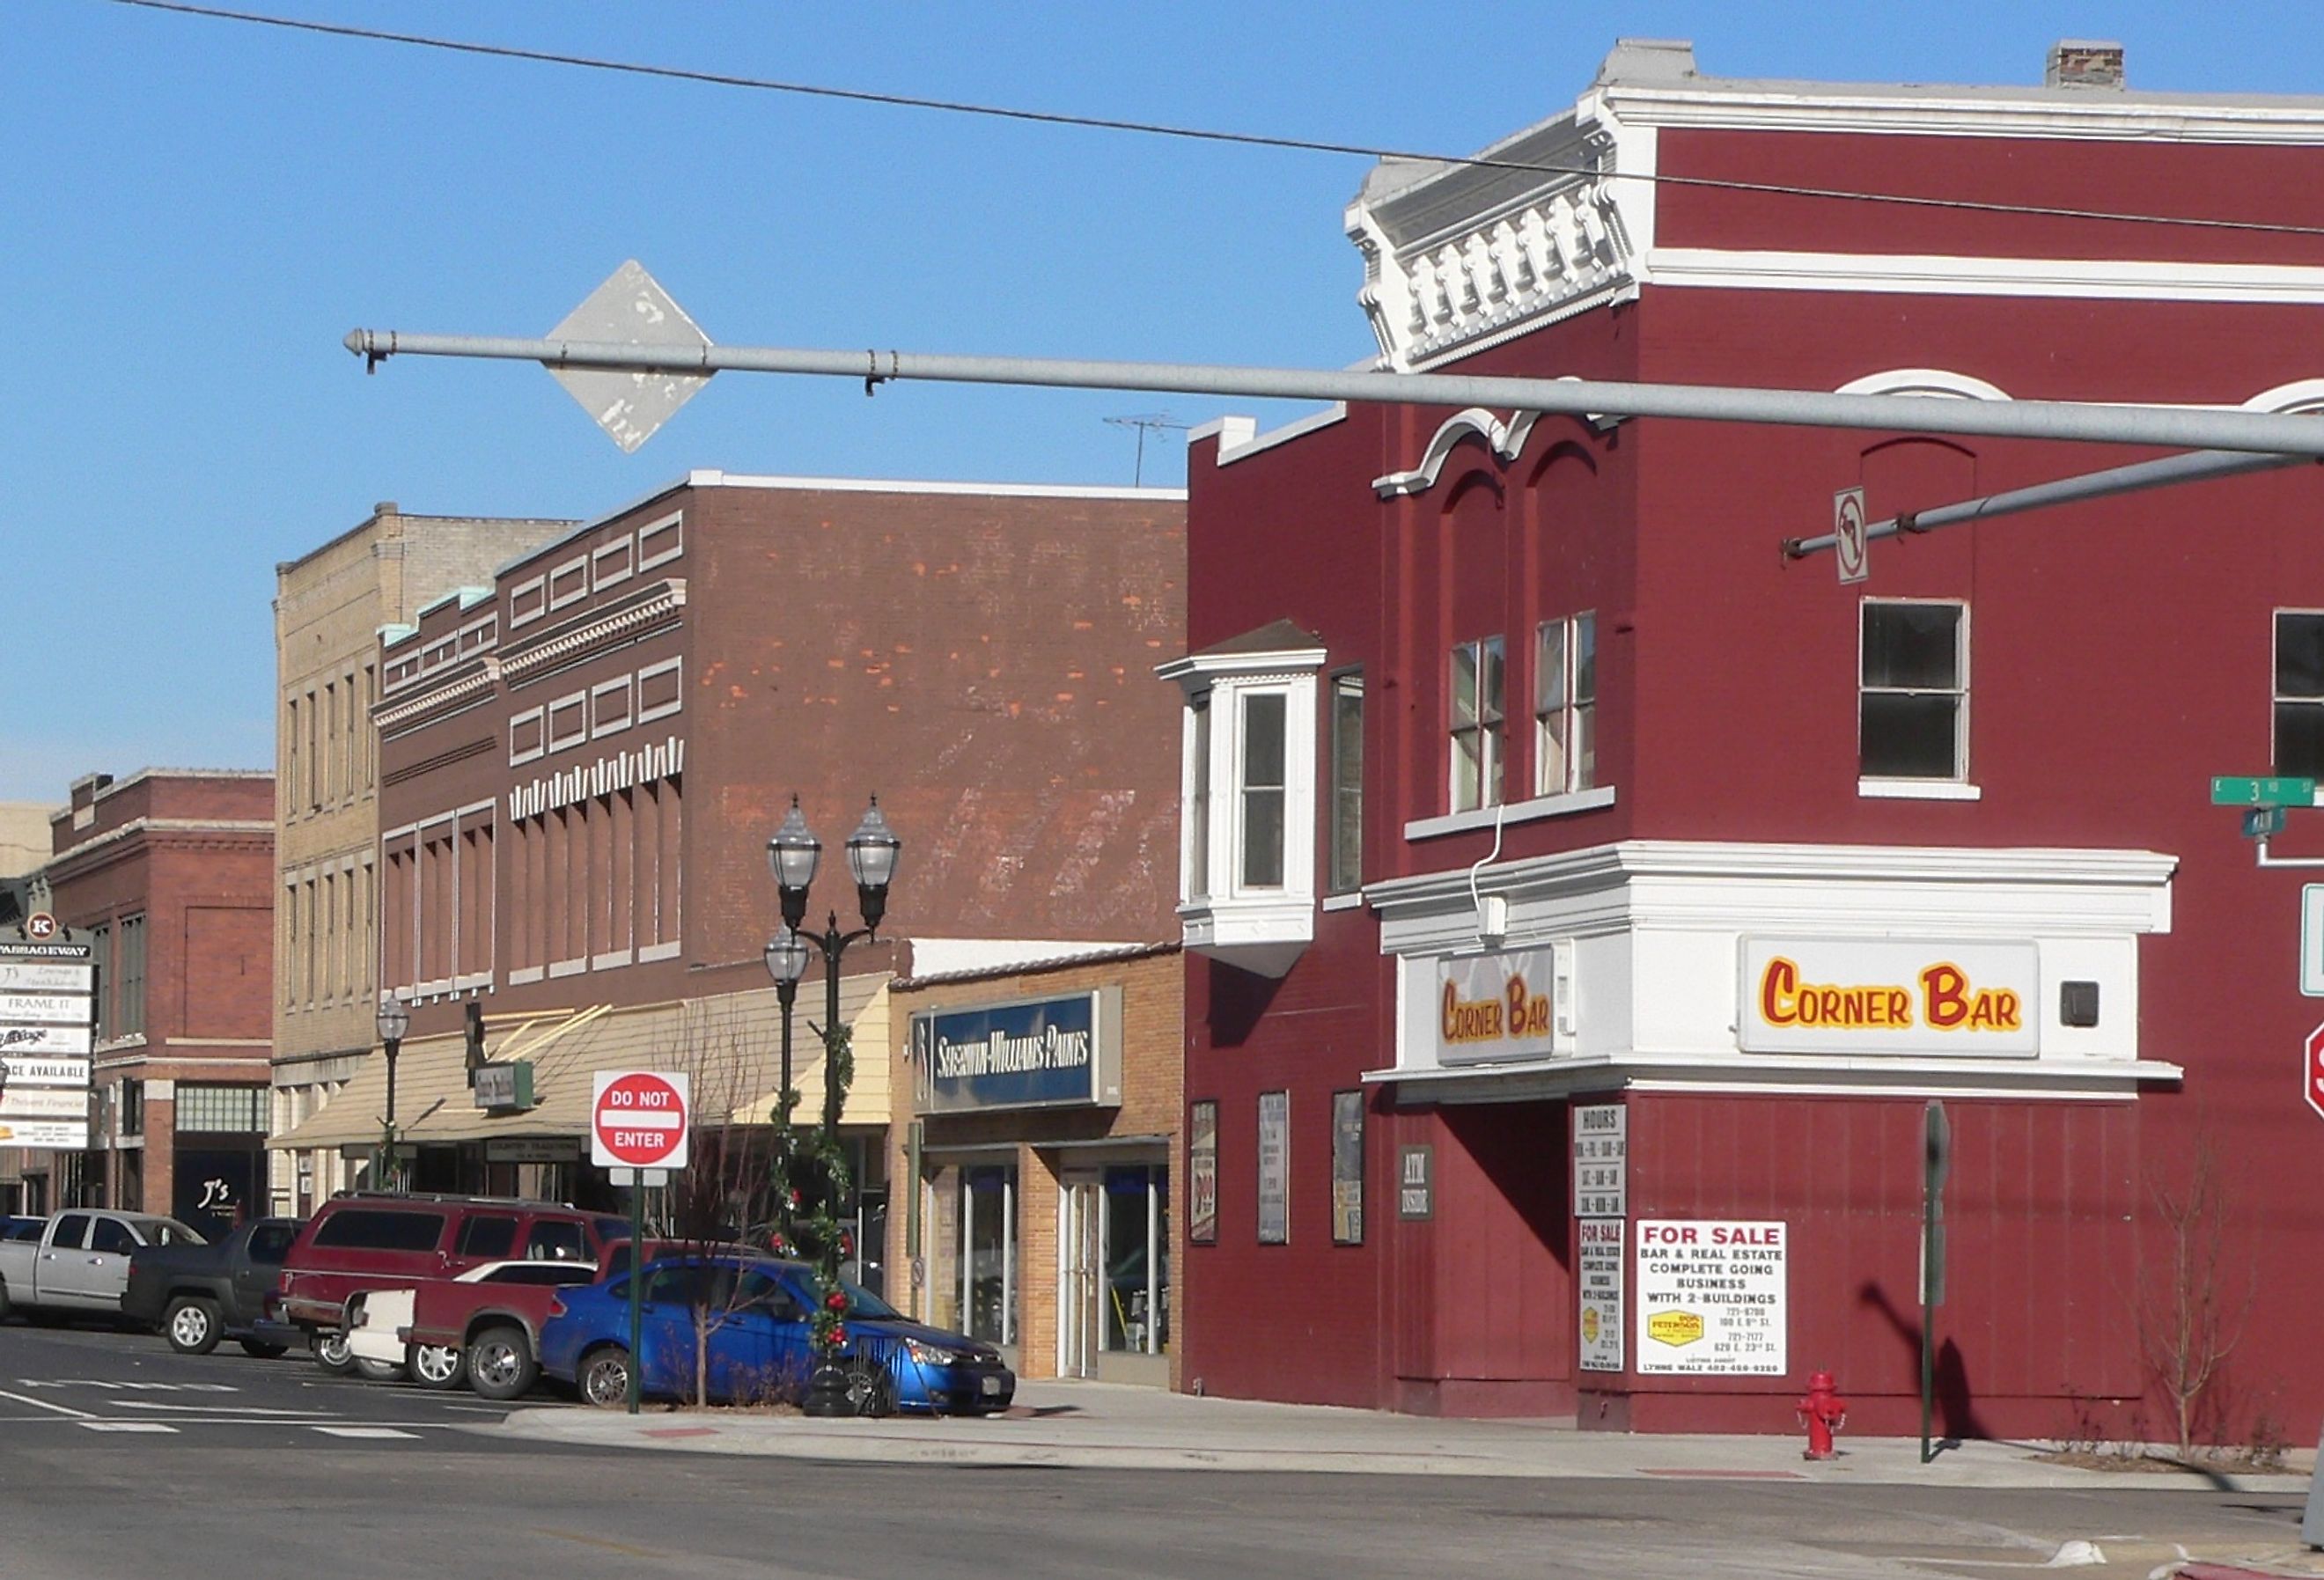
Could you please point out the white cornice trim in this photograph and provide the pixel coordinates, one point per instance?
(1605, 866)
(650, 606)
(1287, 664)
(1764, 1074)
(715, 479)
(1933, 274)
(1963, 112)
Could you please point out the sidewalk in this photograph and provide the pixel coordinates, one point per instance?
(1102, 1426)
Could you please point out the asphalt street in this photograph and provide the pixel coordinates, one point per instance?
(120, 1458)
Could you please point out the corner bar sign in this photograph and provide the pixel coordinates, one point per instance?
(638, 1119)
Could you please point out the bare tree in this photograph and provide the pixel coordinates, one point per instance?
(720, 1192)
(2191, 1307)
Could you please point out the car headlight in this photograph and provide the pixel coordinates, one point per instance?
(931, 1354)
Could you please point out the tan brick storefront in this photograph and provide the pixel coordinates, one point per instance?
(1042, 1215)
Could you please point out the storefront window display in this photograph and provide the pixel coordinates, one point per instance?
(1138, 1260)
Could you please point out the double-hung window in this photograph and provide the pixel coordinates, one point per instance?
(1913, 700)
(1260, 785)
(2298, 730)
(1477, 724)
(1565, 706)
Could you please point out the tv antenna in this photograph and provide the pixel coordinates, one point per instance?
(1156, 422)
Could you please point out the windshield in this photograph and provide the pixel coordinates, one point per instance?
(862, 1302)
(168, 1232)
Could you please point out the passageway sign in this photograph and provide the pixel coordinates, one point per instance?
(639, 1120)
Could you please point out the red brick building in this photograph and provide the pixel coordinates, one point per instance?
(581, 763)
(1584, 903)
(170, 872)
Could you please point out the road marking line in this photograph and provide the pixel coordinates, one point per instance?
(128, 1425)
(362, 1432)
(212, 1409)
(42, 1404)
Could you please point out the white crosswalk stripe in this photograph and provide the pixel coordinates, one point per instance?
(363, 1432)
(127, 1426)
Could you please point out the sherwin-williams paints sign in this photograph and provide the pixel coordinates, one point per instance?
(1026, 1053)
(1890, 995)
(1494, 1007)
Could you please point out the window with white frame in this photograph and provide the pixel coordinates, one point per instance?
(1346, 864)
(1250, 767)
(2298, 747)
(1565, 705)
(1477, 724)
(1912, 710)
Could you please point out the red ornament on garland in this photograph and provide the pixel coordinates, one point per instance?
(838, 1336)
(837, 1300)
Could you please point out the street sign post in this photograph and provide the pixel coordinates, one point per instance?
(2263, 790)
(637, 1130)
(1849, 547)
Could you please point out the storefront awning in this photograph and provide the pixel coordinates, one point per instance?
(730, 1046)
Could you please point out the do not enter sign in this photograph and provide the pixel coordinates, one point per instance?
(637, 1120)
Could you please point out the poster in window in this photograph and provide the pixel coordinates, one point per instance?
(1202, 1174)
(1347, 1167)
(1275, 1168)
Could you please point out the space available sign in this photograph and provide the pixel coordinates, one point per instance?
(1890, 995)
(1710, 1296)
(1598, 1279)
(1024, 1053)
(24, 1070)
(1494, 1007)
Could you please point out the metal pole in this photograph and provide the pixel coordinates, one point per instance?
(637, 1282)
(2171, 427)
(2194, 467)
(1928, 1330)
(834, 944)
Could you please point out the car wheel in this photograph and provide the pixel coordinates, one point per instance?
(604, 1377)
(190, 1323)
(332, 1355)
(436, 1366)
(870, 1390)
(500, 1366)
(378, 1371)
(262, 1350)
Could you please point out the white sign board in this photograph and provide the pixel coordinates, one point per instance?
(45, 1135)
(1849, 548)
(26, 1070)
(1492, 1007)
(45, 976)
(2312, 940)
(44, 1103)
(1598, 1268)
(1710, 1296)
(43, 1008)
(1274, 1168)
(1601, 1172)
(1850, 996)
(46, 1039)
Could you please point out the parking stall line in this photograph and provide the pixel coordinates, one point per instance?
(42, 1404)
(363, 1432)
(127, 1426)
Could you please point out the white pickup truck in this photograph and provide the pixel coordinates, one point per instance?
(81, 1262)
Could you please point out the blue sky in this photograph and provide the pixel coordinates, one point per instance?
(196, 212)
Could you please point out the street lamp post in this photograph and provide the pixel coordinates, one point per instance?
(395, 1021)
(795, 853)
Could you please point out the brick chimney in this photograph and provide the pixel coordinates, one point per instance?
(2083, 63)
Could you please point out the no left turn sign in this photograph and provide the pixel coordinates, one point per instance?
(638, 1119)
(1848, 542)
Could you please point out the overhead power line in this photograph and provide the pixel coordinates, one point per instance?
(1195, 134)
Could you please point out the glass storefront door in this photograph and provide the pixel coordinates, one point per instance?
(1113, 1274)
(988, 1253)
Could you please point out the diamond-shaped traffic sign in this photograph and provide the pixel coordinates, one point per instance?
(629, 308)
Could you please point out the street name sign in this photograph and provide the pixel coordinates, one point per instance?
(2278, 790)
(639, 1120)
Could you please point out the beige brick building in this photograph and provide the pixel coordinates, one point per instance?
(1035, 1151)
(329, 607)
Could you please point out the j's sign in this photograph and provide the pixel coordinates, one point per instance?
(1495, 1007)
(1890, 995)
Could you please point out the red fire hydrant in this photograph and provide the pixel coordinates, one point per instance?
(1825, 1412)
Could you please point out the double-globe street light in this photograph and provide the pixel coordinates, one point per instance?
(395, 1021)
(794, 854)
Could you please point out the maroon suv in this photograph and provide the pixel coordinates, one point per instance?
(364, 1240)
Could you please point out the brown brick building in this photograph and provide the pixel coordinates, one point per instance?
(580, 765)
(328, 607)
(1044, 1133)
(171, 872)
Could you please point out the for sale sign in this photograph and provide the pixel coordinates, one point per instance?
(1710, 1296)
(637, 1120)
(1599, 1270)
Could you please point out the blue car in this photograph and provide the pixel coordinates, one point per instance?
(754, 1314)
